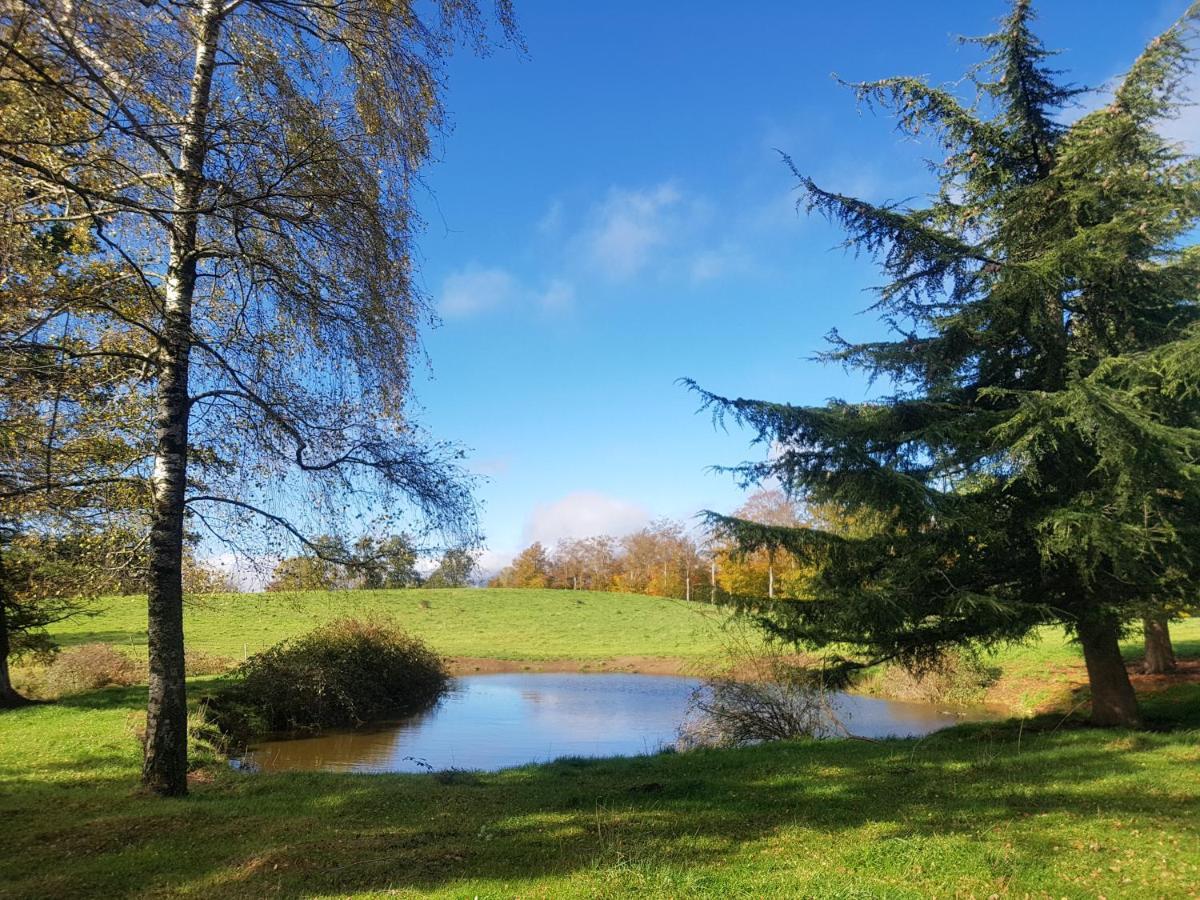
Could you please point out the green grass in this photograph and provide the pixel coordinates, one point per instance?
(1043, 672)
(540, 625)
(1040, 808)
(496, 624)
(1001, 810)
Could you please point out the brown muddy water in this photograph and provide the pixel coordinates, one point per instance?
(490, 722)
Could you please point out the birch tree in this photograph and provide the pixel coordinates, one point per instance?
(252, 163)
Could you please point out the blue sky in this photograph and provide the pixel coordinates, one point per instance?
(610, 214)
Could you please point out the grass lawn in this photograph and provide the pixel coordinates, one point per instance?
(503, 624)
(1001, 810)
(1040, 808)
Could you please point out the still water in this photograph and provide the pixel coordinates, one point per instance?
(494, 721)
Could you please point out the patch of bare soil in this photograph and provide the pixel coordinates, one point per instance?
(640, 665)
(1187, 671)
(1068, 681)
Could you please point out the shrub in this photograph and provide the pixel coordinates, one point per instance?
(958, 677)
(198, 662)
(345, 673)
(765, 695)
(91, 666)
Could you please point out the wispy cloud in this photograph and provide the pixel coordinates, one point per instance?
(476, 290)
(558, 296)
(551, 222)
(629, 226)
(583, 514)
(719, 262)
(490, 562)
(661, 232)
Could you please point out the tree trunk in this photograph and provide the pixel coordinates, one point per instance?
(1113, 700)
(9, 698)
(164, 767)
(1160, 655)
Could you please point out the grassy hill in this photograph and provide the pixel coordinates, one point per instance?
(494, 624)
(579, 629)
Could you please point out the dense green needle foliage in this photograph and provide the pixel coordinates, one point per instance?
(1034, 457)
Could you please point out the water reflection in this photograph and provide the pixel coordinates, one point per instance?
(495, 721)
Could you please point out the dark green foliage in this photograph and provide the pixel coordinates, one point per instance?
(327, 564)
(46, 578)
(1035, 456)
(345, 673)
(455, 570)
(387, 563)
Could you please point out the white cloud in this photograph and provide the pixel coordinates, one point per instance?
(558, 296)
(583, 514)
(474, 290)
(551, 222)
(426, 563)
(718, 262)
(629, 225)
(490, 562)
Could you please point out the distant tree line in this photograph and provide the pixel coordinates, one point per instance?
(330, 564)
(661, 559)
(666, 559)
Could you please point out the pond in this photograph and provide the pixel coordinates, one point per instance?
(492, 722)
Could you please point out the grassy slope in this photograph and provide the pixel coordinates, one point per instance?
(497, 624)
(977, 811)
(547, 625)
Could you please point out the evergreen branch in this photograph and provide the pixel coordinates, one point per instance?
(1156, 84)
(918, 104)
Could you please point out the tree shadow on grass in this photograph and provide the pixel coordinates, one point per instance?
(304, 834)
(133, 637)
(1187, 648)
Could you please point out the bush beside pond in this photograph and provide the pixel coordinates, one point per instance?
(89, 667)
(343, 674)
(959, 677)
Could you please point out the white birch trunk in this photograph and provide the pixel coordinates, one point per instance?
(164, 767)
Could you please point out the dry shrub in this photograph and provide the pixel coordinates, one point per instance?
(765, 695)
(199, 662)
(89, 667)
(957, 677)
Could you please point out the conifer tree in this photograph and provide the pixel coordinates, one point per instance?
(1034, 457)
